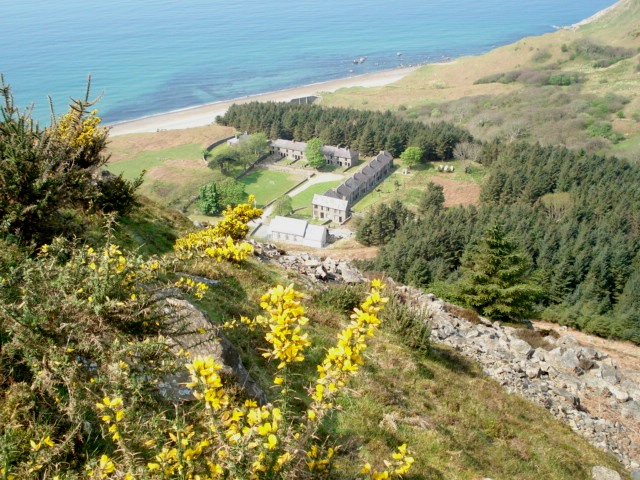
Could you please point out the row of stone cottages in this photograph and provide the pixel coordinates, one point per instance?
(335, 204)
(340, 157)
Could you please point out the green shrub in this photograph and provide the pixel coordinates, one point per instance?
(340, 298)
(117, 195)
(409, 324)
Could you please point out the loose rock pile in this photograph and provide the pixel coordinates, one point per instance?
(558, 379)
(327, 270)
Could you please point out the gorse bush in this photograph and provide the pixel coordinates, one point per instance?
(86, 340)
(44, 171)
(220, 241)
(76, 325)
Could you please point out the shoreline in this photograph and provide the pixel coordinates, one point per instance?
(201, 115)
(595, 16)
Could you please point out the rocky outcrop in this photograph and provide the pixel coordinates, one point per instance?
(195, 334)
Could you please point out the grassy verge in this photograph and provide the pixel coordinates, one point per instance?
(301, 203)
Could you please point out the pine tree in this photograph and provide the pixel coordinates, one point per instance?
(495, 278)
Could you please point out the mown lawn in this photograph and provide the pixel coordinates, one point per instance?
(268, 185)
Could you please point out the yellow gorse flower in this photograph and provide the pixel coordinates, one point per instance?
(283, 326)
(113, 413)
(344, 359)
(221, 241)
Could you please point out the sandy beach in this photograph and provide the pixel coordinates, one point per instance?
(205, 114)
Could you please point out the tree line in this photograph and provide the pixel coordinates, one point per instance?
(367, 132)
(575, 215)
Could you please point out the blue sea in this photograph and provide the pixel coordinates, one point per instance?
(152, 56)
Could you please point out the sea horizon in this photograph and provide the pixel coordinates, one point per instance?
(142, 72)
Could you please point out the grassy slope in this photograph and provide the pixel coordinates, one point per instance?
(447, 92)
(459, 424)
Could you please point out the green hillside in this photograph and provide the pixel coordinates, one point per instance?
(88, 347)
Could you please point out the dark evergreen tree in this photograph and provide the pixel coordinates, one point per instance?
(210, 201)
(432, 198)
(496, 278)
(381, 224)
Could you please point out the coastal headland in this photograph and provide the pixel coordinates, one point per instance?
(205, 114)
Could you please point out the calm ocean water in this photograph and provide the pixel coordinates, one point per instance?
(151, 56)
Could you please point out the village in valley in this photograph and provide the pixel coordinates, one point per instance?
(329, 208)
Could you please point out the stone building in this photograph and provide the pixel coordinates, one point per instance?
(335, 204)
(342, 157)
(328, 207)
(289, 149)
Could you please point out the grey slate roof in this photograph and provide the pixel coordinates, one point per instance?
(366, 173)
(291, 226)
(290, 145)
(327, 149)
(330, 201)
(339, 152)
(299, 228)
(315, 233)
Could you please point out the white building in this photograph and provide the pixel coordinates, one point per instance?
(293, 230)
(237, 139)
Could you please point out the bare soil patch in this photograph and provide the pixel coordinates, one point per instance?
(347, 249)
(458, 193)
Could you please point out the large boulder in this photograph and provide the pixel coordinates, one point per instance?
(604, 473)
(197, 336)
(521, 348)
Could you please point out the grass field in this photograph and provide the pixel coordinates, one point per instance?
(268, 185)
(460, 188)
(303, 199)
